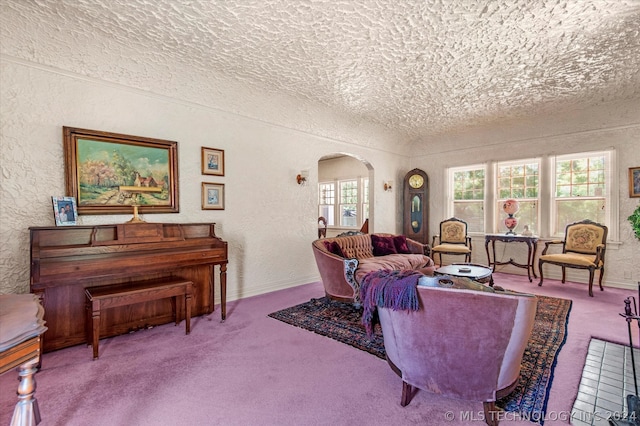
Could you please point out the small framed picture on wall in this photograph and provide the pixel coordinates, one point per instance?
(634, 181)
(65, 211)
(212, 161)
(212, 196)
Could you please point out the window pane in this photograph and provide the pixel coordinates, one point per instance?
(579, 177)
(472, 213)
(348, 215)
(569, 211)
(522, 185)
(468, 185)
(527, 215)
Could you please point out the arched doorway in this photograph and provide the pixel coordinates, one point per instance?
(345, 194)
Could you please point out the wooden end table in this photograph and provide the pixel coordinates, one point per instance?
(532, 247)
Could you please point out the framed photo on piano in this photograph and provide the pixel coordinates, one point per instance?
(65, 211)
(101, 168)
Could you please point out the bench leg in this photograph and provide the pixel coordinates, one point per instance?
(187, 312)
(95, 334)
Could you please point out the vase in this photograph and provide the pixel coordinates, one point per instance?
(511, 207)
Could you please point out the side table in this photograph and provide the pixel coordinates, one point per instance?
(532, 247)
(20, 346)
(478, 273)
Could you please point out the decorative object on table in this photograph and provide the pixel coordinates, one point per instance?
(635, 222)
(212, 161)
(416, 206)
(134, 194)
(212, 196)
(526, 231)
(65, 211)
(97, 163)
(343, 322)
(511, 207)
(634, 181)
(584, 247)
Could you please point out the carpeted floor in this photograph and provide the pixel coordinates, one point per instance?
(342, 322)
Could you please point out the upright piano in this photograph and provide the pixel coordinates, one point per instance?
(66, 260)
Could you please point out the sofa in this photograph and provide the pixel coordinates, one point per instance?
(344, 261)
(465, 343)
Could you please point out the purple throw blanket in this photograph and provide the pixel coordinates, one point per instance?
(388, 289)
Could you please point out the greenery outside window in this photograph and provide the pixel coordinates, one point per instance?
(552, 192)
(519, 180)
(580, 190)
(344, 203)
(468, 189)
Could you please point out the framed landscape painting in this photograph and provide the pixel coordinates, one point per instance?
(100, 165)
(634, 182)
(212, 196)
(212, 161)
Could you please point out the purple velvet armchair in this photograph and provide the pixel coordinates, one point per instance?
(461, 343)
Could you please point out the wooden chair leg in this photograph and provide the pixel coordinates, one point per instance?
(540, 262)
(564, 274)
(591, 272)
(407, 394)
(490, 413)
(600, 280)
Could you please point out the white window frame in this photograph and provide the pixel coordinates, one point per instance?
(546, 192)
(450, 200)
(611, 191)
(497, 209)
(361, 183)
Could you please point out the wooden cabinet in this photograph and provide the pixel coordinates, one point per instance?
(66, 260)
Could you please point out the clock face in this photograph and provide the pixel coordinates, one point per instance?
(416, 181)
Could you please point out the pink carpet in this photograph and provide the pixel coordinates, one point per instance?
(255, 370)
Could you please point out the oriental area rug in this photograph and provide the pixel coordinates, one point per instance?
(343, 322)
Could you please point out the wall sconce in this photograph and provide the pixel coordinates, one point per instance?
(388, 186)
(302, 177)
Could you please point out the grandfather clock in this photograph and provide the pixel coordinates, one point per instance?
(416, 206)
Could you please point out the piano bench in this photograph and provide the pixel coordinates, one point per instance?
(112, 296)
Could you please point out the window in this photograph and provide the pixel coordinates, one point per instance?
(364, 196)
(580, 190)
(348, 203)
(326, 204)
(519, 180)
(346, 199)
(468, 196)
(552, 192)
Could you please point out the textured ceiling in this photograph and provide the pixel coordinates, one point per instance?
(419, 67)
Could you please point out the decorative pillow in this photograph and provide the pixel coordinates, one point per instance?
(400, 243)
(334, 248)
(382, 245)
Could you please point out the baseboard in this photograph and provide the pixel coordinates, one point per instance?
(267, 287)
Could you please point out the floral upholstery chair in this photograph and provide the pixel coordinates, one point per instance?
(453, 239)
(583, 248)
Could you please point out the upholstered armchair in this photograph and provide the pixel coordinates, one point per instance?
(583, 248)
(453, 239)
(461, 343)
